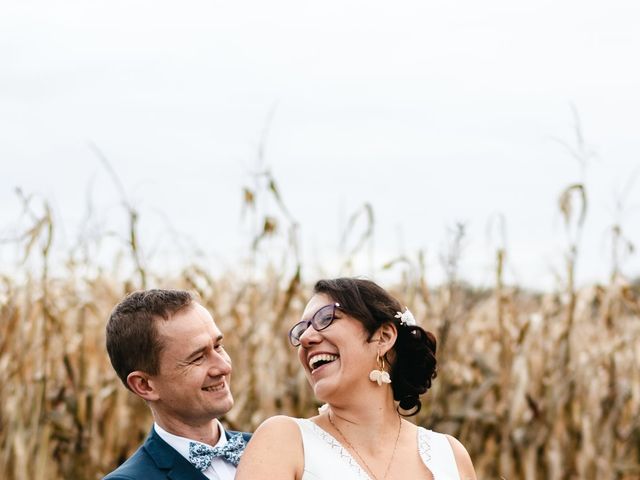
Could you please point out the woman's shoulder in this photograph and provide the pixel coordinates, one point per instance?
(279, 422)
(278, 427)
(275, 451)
(463, 460)
(284, 428)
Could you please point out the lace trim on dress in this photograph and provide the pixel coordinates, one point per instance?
(340, 450)
(423, 446)
(424, 449)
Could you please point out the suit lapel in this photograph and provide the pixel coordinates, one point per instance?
(169, 460)
(185, 471)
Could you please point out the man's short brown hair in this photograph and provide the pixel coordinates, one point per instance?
(133, 342)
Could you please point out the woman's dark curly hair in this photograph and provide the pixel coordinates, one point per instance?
(414, 360)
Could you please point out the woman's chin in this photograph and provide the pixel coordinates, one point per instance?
(325, 380)
(323, 390)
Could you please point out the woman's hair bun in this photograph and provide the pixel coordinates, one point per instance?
(414, 367)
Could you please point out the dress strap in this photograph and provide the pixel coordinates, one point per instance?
(325, 456)
(437, 454)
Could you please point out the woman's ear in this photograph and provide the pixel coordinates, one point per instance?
(387, 335)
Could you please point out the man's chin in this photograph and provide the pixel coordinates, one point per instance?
(222, 407)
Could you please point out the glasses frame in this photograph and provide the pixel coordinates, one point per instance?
(313, 322)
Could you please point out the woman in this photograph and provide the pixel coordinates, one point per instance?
(368, 361)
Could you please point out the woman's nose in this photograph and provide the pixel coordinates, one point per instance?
(310, 336)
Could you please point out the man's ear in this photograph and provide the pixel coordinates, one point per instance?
(387, 335)
(142, 385)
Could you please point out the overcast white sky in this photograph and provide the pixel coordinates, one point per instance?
(432, 111)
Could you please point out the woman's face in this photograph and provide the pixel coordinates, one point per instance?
(338, 358)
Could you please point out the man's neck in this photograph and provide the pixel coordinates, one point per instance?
(208, 433)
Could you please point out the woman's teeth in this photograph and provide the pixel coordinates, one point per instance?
(321, 359)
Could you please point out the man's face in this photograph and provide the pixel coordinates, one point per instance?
(193, 379)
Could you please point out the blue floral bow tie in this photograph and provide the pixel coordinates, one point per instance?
(201, 455)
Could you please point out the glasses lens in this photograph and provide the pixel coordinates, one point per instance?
(323, 317)
(296, 332)
(321, 320)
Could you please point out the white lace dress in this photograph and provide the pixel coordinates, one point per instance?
(326, 459)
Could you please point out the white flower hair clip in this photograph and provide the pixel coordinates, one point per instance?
(406, 318)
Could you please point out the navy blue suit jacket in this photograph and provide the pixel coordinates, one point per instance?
(157, 460)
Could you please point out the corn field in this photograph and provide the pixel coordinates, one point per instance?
(535, 385)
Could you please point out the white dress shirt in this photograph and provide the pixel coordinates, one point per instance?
(219, 469)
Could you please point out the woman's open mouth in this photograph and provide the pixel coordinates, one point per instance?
(321, 359)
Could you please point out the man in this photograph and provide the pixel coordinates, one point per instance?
(166, 348)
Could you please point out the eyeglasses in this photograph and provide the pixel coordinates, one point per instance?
(320, 320)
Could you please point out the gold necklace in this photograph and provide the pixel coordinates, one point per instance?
(386, 472)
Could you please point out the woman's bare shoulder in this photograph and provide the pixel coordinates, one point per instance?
(274, 451)
(278, 423)
(463, 460)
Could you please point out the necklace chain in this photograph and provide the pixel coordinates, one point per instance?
(386, 472)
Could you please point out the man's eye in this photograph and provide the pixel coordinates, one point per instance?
(219, 347)
(198, 359)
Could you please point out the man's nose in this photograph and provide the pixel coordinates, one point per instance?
(220, 364)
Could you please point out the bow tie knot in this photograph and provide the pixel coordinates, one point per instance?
(201, 455)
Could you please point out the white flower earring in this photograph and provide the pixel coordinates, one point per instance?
(380, 376)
